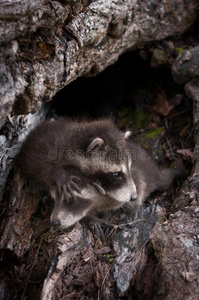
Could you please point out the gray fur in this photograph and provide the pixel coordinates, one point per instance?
(147, 176)
(88, 167)
(53, 146)
(88, 201)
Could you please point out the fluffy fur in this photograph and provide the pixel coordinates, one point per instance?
(88, 166)
(94, 146)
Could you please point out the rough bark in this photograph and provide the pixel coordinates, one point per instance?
(45, 46)
(16, 232)
(176, 246)
(129, 247)
(176, 241)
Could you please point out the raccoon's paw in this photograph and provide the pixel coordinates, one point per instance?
(96, 226)
(71, 186)
(65, 186)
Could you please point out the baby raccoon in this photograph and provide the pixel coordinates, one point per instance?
(88, 167)
(96, 148)
(93, 197)
(89, 200)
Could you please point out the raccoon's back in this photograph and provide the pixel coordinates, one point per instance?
(42, 149)
(147, 175)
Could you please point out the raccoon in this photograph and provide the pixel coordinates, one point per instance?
(147, 176)
(93, 196)
(96, 148)
(88, 201)
(88, 166)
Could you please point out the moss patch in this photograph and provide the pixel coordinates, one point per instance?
(152, 134)
(179, 50)
(136, 119)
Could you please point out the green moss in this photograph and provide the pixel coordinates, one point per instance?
(108, 257)
(152, 134)
(163, 218)
(160, 151)
(158, 250)
(158, 54)
(136, 119)
(125, 115)
(179, 50)
(141, 118)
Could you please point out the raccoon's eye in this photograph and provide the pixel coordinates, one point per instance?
(117, 175)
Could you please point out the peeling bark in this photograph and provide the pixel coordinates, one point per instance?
(68, 246)
(15, 230)
(176, 246)
(75, 39)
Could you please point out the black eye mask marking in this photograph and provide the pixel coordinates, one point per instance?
(110, 181)
(76, 207)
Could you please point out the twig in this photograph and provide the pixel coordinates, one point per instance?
(129, 223)
(168, 142)
(101, 288)
(121, 225)
(178, 114)
(34, 262)
(69, 295)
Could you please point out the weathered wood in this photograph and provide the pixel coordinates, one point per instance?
(176, 246)
(75, 39)
(11, 138)
(176, 241)
(129, 244)
(129, 247)
(15, 230)
(69, 246)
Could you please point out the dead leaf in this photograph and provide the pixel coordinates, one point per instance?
(176, 100)
(187, 153)
(103, 250)
(161, 105)
(184, 130)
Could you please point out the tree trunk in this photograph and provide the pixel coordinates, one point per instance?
(45, 45)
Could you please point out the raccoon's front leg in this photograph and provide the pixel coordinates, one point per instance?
(96, 225)
(64, 184)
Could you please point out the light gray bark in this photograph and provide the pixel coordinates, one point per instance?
(176, 246)
(72, 43)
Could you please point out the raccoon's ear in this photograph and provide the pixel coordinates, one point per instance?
(127, 134)
(95, 144)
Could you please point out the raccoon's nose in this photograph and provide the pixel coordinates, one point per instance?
(133, 197)
(56, 223)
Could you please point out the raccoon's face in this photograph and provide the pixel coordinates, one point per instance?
(109, 167)
(117, 184)
(66, 214)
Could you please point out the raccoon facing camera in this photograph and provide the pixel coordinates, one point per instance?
(89, 200)
(88, 166)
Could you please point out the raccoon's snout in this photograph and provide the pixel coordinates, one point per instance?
(56, 223)
(133, 197)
